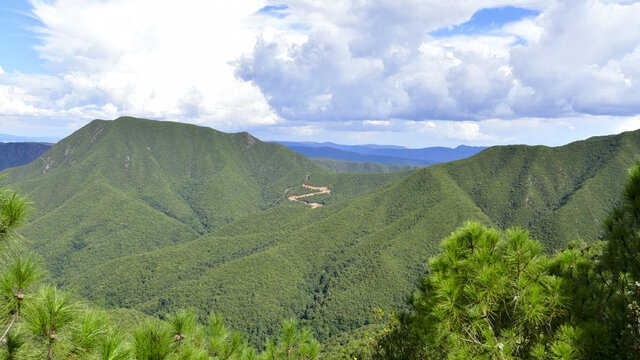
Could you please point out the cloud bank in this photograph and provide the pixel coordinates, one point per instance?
(378, 61)
(163, 60)
(347, 69)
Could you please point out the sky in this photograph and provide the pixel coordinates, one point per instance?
(415, 73)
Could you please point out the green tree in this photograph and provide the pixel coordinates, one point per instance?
(153, 341)
(224, 344)
(13, 210)
(18, 271)
(579, 267)
(188, 335)
(493, 295)
(13, 342)
(88, 332)
(21, 273)
(183, 324)
(48, 315)
(292, 343)
(114, 347)
(621, 266)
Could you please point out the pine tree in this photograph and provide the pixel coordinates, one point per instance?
(293, 343)
(495, 295)
(153, 341)
(114, 347)
(621, 266)
(48, 315)
(18, 271)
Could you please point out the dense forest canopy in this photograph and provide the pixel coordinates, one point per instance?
(145, 232)
(489, 294)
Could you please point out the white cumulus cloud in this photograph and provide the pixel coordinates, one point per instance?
(377, 61)
(163, 60)
(355, 70)
(585, 62)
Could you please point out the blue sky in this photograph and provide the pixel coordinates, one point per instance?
(278, 11)
(415, 73)
(17, 38)
(486, 21)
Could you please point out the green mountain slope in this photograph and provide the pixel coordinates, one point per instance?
(127, 186)
(560, 194)
(197, 218)
(332, 266)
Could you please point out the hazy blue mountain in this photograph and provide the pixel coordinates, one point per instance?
(16, 154)
(15, 138)
(437, 154)
(355, 148)
(337, 154)
(429, 155)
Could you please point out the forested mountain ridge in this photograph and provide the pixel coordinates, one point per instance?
(560, 194)
(337, 154)
(329, 266)
(120, 187)
(386, 154)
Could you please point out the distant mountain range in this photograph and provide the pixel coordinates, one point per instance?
(20, 150)
(16, 154)
(383, 154)
(14, 138)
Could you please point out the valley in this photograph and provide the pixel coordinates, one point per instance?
(129, 222)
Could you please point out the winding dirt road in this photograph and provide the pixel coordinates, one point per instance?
(319, 190)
